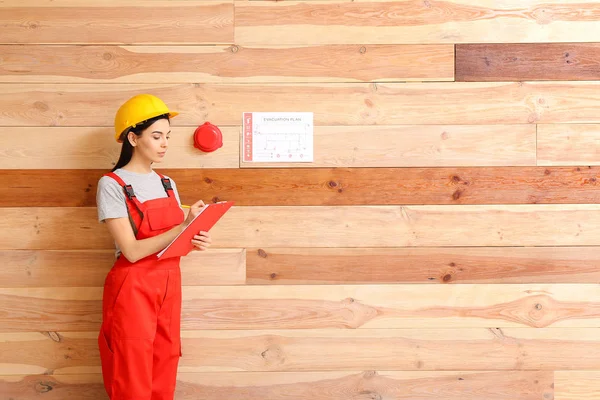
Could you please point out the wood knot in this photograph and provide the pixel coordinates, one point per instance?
(369, 374)
(455, 178)
(456, 195)
(447, 278)
(332, 184)
(371, 395)
(234, 49)
(40, 105)
(43, 387)
(362, 50)
(215, 199)
(107, 56)
(262, 253)
(53, 336)
(273, 275)
(546, 172)
(538, 306)
(207, 180)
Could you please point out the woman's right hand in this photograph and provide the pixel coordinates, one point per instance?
(194, 210)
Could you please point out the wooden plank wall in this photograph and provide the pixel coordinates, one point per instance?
(443, 245)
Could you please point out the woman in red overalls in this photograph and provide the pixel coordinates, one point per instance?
(139, 339)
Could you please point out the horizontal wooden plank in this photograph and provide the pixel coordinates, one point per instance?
(82, 387)
(53, 148)
(468, 349)
(324, 306)
(332, 103)
(25, 268)
(285, 266)
(564, 144)
(322, 186)
(577, 385)
(419, 146)
(336, 146)
(183, 64)
(464, 21)
(65, 228)
(139, 22)
(525, 385)
(527, 61)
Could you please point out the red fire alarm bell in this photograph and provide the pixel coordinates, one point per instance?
(208, 137)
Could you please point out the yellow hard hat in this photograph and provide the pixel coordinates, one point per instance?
(138, 109)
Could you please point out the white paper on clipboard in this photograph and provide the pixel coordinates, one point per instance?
(278, 137)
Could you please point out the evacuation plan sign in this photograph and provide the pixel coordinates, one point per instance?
(278, 136)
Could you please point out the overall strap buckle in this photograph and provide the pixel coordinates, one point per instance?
(166, 183)
(129, 192)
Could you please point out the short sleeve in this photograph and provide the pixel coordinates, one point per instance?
(110, 199)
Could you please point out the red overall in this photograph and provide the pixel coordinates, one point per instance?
(139, 340)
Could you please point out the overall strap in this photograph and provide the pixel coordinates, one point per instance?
(166, 184)
(134, 207)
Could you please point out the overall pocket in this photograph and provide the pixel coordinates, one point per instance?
(164, 218)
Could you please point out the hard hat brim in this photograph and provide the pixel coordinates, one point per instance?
(171, 114)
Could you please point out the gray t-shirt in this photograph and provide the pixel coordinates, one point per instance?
(110, 198)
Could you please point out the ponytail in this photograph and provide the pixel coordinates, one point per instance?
(127, 148)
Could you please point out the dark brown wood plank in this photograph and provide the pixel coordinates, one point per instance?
(331, 385)
(527, 61)
(325, 186)
(423, 265)
(134, 22)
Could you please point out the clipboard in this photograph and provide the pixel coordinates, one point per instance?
(204, 221)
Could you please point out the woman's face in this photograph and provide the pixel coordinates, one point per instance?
(152, 144)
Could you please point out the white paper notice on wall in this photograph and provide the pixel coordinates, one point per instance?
(278, 136)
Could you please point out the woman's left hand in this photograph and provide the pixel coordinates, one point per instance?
(201, 241)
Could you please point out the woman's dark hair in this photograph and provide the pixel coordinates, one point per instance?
(127, 148)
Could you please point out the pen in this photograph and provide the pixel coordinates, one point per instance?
(184, 206)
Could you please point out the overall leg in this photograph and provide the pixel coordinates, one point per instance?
(132, 330)
(167, 343)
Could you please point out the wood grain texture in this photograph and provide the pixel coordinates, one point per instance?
(81, 387)
(323, 186)
(58, 148)
(419, 146)
(306, 350)
(577, 385)
(66, 228)
(456, 385)
(139, 22)
(527, 61)
(339, 146)
(89, 268)
(465, 21)
(183, 64)
(323, 306)
(423, 265)
(568, 144)
(449, 103)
